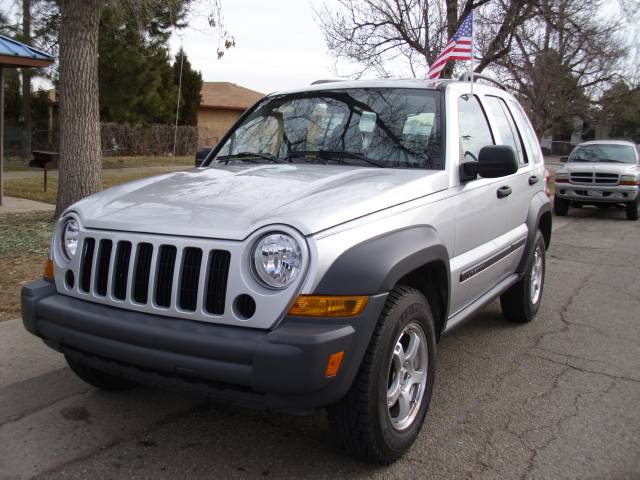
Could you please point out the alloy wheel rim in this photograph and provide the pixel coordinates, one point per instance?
(407, 376)
(536, 276)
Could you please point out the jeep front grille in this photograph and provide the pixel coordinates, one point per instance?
(153, 274)
(193, 278)
(594, 178)
(216, 282)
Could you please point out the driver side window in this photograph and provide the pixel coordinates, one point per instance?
(473, 127)
(258, 135)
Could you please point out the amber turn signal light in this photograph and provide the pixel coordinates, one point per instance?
(333, 366)
(328, 306)
(48, 269)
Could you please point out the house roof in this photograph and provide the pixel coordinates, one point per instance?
(17, 54)
(228, 95)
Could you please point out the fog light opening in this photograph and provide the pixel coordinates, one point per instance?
(244, 306)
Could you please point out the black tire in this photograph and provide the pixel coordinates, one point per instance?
(633, 209)
(97, 378)
(362, 419)
(560, 206)
(518, 305)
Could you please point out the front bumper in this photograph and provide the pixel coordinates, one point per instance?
(282, 368)
(582, 193)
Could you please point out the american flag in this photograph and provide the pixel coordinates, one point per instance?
(459, 47)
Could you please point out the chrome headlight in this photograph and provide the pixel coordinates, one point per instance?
(277, 260)
(70, 234)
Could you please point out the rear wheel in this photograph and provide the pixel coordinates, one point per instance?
(560, 206)
(97, 378)
(521, 302)
(633, 209)
(381, 415)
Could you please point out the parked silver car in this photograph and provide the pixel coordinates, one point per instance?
(325, 246)
(603, 173)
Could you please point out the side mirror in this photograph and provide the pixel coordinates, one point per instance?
(564, 159)
(493, 161)
(201, 155)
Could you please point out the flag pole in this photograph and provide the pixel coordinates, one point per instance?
(473, 41)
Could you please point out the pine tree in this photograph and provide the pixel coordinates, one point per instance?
(190, 96)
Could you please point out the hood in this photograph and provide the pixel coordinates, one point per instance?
(231, 202)
(601, 167)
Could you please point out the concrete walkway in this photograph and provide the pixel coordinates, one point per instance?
(21, 205)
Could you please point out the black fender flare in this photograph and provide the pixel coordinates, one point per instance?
(376, 264)
(540, 206)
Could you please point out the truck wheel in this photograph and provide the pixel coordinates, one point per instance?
(633, 209)
(560, 206)
(98, 379)
(520, 303)
(381, 415)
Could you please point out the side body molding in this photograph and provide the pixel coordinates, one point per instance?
(540, 206)
(375, 265)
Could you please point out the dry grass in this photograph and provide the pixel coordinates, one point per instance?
(32, 188)
(24, 241)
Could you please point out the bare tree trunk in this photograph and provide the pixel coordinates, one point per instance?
(452, 25)
(26, 83)
(79, 117)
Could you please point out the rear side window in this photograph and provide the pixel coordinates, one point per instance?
(506, 127)
(530, 139)
(473, 126)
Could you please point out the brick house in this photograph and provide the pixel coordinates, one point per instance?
(222, 104)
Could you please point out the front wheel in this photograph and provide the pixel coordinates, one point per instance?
(560, 206)
(633, 209)
(381, 415)
(521, 302)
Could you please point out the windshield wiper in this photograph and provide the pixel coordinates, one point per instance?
(338, 155)
(247, 157)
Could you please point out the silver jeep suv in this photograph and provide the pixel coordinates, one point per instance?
(603, 173)
(314, 260)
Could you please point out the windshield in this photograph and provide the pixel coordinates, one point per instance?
(379, 127)
(603, 153)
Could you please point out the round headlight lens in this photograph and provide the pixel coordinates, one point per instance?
(277, 260)
(70, 238)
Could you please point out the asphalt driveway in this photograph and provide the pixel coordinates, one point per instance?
(558, 398)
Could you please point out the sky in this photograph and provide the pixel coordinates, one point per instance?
(278, 45)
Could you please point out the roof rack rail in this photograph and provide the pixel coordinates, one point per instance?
(478, 76)
(318, 82)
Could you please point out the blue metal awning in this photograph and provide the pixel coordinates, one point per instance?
(17, 54)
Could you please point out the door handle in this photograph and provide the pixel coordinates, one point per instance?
(504, 191)
(533, 180)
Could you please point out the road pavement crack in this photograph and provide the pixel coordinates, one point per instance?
(586, 370)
